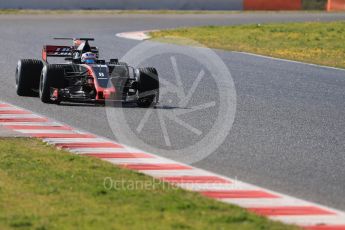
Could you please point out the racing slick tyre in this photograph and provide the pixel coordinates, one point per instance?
(28, 73)
(52, 78)
(148, 87)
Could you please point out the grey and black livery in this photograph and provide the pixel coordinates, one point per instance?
(76, 81)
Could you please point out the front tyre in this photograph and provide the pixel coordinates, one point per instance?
(28, 73)
(148, 87)
(52, 78)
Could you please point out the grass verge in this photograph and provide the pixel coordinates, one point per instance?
(43, 188)
(313, 42)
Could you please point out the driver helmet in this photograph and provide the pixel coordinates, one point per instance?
(88, 58)
(77, 43)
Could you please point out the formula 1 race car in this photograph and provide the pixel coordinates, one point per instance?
(84, 77)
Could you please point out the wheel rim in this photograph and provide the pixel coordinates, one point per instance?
(17, 76)
(41, 85)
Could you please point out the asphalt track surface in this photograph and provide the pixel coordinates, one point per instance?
(288, 133)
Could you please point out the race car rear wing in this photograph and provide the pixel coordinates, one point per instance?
(56, 51)
(73, 39)
(60, 51)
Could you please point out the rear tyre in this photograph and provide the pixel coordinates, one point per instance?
(28, 73)
(52, 79)
(148, 87)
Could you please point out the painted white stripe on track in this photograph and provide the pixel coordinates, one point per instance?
(311, 219)
(38, 131)
(101, 150)
(32, 123)
(170, 173)
(10, 108)
(215, 186)
(265, 202)
(73, 140)
(136, 161)
(19, 116)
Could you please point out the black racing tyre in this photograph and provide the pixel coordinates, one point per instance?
(28, 74)
(52, 77)
(148, 87)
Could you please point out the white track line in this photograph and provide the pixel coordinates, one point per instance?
(214, 186)
(102, 150)
(32, 123)
(19, 116)
(10, 108)
(169, 173)
(119, 161)
(74, 140)
(311, 220)
(97, 150)
(265, 202)
(38, 131)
